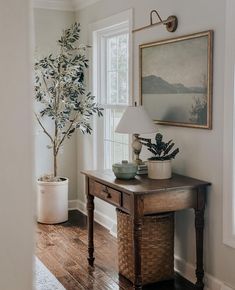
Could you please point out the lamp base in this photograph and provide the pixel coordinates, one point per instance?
(137, 146)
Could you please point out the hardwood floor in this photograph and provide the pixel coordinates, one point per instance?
(63, 250)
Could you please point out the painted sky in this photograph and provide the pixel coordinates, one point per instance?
(182, 62)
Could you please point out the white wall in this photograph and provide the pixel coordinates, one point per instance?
(48, 27)
(200, 150)
(16, 153)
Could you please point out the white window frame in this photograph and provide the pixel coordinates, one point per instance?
(119, 22)
(229, 130)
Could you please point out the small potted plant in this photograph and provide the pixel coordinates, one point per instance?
(159, 165)
(65, 106)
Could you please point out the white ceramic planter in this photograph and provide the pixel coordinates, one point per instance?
(52, 201)
(159, 169)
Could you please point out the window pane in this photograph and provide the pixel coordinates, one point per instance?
(123, 88)
(123, 69)
(123, 52)
(116, 145)
(112, 53)
(117, 70)
(112, 85)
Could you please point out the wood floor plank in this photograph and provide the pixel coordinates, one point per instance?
(51, 263)
(70, 283)
(63, 250)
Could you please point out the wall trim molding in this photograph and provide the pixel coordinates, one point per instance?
(63, 5)
(81, 4)
(99, 217)
(185, 269)
(73, 204)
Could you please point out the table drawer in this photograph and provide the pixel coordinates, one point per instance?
(106, 193)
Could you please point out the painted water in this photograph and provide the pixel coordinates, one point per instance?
(184, 108)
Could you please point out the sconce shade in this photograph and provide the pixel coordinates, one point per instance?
(135, 120)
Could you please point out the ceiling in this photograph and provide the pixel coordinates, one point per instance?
(67, 5)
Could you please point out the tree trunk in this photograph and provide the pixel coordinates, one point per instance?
(55, 161)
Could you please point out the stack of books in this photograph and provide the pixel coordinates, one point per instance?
(142, 169)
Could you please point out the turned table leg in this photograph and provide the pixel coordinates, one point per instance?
(90, 220)
(199, 226)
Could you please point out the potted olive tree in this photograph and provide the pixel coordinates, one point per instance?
(65, 103)
(159, 165)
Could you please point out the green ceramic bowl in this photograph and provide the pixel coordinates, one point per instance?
(125, 170)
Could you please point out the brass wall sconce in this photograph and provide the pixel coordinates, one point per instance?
(171, 23)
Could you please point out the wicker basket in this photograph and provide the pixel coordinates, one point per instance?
(157, 247)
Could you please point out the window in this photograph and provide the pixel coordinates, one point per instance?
(229, 130)
(115, 97)
(111, 79)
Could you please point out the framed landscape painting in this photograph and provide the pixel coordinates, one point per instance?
(176, 80)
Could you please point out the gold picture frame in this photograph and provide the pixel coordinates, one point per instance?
(176, 77)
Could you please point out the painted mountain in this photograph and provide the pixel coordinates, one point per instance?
(156, 85)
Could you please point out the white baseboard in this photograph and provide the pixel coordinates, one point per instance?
(185, 269)
(181, 266)
(73, 204)
(99, 217)
(188, 271)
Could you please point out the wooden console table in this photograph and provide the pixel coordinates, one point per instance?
(142, 196)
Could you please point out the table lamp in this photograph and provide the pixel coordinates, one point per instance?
(136, 121)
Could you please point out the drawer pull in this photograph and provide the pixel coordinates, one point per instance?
(105, 190)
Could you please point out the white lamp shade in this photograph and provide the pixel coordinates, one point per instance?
(135, 120)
